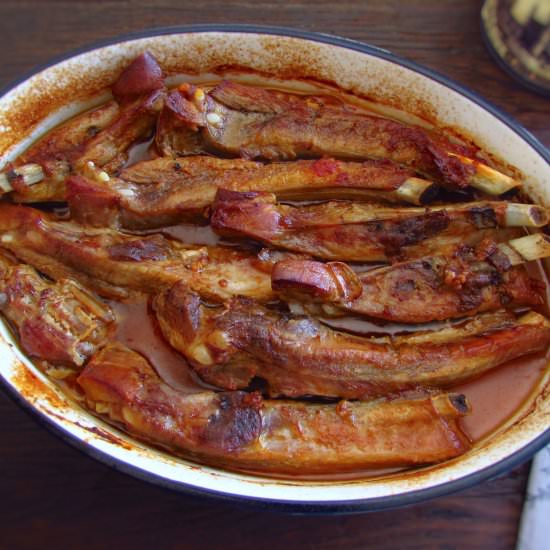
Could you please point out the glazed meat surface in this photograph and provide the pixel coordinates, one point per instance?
(433, 288)
(113, 264)
(258, 123)
(59, 322)
(358, 231)
(244, 430)
(164, 191)
(299, 356)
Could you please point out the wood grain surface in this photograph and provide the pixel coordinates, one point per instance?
(53, 496)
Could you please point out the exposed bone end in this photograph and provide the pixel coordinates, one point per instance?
(525, 215)
(416, 191)
(487, 179)
(28, 173)
(526, 249)
(534, 318)
(451, 404)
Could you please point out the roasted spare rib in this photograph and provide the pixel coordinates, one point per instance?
(59, 322)
(164, 191)
(296, 355)
(243, 430)
(355, 231)
(259, 123)
(101, 136)
(468, 281)
(113, 263)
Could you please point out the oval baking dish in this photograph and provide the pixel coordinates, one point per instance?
(37, 103)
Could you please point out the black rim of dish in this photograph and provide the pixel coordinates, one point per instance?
(316, 507)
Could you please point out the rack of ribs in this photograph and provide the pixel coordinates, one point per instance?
(114, 264)
(164, 191)
(100, 137)
(59, 322)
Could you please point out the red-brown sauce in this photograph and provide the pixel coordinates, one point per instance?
(137, 329)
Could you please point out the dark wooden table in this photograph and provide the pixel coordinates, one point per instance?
(53, 496)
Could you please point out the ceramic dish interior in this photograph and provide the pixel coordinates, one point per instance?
(38, 103)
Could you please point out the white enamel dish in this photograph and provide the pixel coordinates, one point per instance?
(38, 102)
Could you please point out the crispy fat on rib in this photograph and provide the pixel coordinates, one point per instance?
(297, 355)
(113, 264)
(244, 431)
(360, 231)
(165, 191)
(433, 288)
(59, 322)
(259, 123)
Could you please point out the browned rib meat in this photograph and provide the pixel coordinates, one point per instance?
(102, 136)
(113, 263)
(244, 431)
(356, 231)
(433, 288)
(109, 149)
(59, 322)
(57, 150)
(259, 123)
(187, 186)
(298, 356)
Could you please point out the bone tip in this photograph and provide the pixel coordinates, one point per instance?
(416, 190)
(526, 215)
(29, 174)
(532, 247)
(452, 404)
(487, 179)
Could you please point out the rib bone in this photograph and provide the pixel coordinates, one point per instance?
(464, 283)
(244, 431)
(258, 123)
(363, 231)
(298, 356)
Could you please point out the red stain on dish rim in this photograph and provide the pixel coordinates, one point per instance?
(31, 388)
